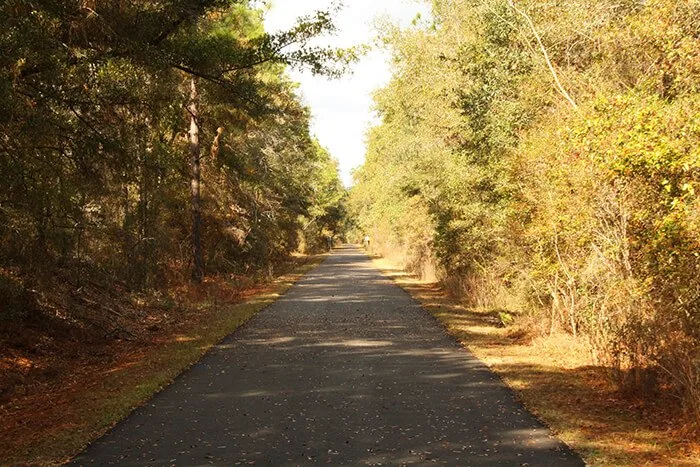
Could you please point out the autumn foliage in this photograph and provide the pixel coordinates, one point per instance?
(544, 159)
(111, 112)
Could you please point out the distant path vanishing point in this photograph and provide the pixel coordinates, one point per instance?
(346, 368)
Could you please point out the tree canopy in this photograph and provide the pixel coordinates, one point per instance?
(99, 100)
(544, 157)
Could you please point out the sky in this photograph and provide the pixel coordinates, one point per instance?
(342, 108)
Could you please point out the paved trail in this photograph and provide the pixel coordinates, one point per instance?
(345, 369)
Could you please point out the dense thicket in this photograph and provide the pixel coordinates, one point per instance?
(545, 156)
(140, 140)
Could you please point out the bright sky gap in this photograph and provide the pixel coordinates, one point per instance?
(342, 108)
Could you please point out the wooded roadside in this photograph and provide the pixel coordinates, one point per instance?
(75, 388)
(553, 377)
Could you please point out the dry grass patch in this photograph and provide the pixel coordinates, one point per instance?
(555, 379)
(93, 385)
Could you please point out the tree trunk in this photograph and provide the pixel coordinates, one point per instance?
(195, 168)
(215, 146)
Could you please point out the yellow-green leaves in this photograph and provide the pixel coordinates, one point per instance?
(593, 215)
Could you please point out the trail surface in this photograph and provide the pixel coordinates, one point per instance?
(344, 369)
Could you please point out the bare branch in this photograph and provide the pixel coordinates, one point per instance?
(560, 87)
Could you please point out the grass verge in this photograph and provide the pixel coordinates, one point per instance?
(555, 380)
(50, 427)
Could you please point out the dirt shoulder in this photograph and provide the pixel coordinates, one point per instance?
(555, 380)
(61, 389)
(345, 369)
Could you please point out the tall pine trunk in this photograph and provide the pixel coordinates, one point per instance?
(195, 181)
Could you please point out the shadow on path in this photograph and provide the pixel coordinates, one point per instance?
(344, 369)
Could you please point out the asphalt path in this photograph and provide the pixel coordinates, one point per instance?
(346, 368)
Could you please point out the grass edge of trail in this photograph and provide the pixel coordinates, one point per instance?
(111, 397)
(572, 400)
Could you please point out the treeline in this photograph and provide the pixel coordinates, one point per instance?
(544, 158)
(150, 142)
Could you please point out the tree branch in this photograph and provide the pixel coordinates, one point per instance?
(560, 87)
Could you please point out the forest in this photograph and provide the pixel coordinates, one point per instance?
(542, 160)
(539, 161)
(154, 156)
(151, 143)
